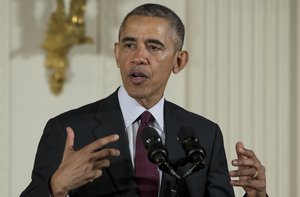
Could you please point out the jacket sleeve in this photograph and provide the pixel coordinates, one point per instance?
(47, 159)
(218, 180)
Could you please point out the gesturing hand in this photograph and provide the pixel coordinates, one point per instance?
(251, 172)
(80, 167)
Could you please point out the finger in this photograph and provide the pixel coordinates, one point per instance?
(99, 143)
(249, 162)
(249, 154)
(97, 174)
(104, 163)
(249, 172)
(258, 185)
(243, 153)
(70, 140)
(104, 153)
(246, 157)
(239, 146)
(243, 162)
(244, 172)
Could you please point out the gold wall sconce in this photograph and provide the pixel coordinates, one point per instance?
(63, 33)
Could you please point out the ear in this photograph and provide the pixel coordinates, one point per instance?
(116, 51)
(181, 61)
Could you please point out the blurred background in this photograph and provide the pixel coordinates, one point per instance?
(243, 73)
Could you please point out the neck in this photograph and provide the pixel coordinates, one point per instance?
(148, 103)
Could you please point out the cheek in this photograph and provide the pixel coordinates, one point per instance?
(123, 71)
(123, 55)
(123, 63)
(162, 73)
(165, 67)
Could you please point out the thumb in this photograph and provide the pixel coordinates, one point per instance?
(239, 147)
(69, 141)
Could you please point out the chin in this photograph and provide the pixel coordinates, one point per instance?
(136, 94)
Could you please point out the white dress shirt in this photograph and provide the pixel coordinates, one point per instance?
(131, 110)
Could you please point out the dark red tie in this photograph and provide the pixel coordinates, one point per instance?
(145, 172)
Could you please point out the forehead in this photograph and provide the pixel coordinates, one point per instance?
(146, 27)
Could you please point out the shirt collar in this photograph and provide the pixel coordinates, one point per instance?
(131, 109)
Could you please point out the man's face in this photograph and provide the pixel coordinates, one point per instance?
(146, 57)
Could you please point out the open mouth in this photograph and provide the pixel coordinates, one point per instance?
(138, 75)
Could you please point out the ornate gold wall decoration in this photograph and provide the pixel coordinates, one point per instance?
(63, 33)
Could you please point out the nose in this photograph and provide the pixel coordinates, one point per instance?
(140, 56)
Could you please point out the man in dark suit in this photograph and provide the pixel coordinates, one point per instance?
(96, 155)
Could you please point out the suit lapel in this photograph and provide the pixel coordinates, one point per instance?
(111, 122)
(173, 122)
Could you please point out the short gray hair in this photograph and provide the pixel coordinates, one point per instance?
(156, 10)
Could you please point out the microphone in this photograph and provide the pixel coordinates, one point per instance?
(157, 152)
(194, 152)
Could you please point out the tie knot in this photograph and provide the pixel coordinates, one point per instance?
(145, 118)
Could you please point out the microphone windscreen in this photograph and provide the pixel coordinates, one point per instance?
(148, 134)
(185, 133)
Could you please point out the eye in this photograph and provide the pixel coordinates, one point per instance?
(154, 47)
(129, 45)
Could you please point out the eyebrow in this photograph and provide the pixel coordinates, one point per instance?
(155, 41)
(151, 41)
(126, 39)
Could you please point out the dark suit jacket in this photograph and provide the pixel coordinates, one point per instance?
(104, 117)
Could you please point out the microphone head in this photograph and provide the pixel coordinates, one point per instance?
(186, 135)
(157, 153)
(195, 153)
(149, 135)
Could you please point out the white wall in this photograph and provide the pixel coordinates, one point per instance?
(4, 99)
(243, 73)
(241, 60)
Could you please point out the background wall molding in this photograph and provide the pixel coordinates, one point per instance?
(5, 187)
(295, 103)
